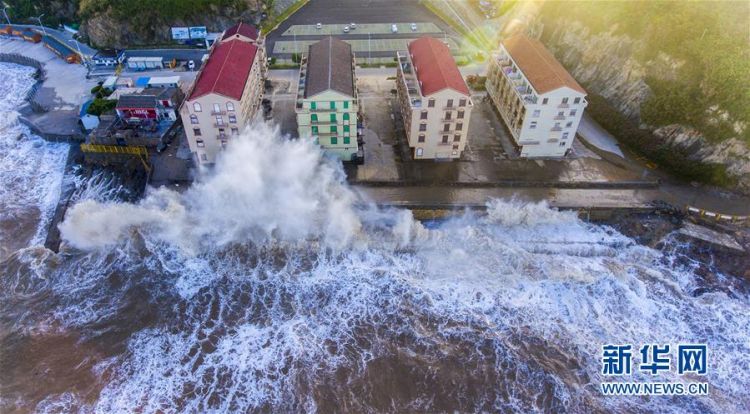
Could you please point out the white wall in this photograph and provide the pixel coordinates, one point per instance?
(543, 140)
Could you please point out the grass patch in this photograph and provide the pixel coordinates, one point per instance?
(283, 66)
(271, 24)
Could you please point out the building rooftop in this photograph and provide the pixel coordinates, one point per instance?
(136, 101)
(538, 65)
(57, 46)
(242, 29)
(435, 68)
(226, 71)
(330, 67)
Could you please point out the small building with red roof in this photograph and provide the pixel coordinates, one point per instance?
(434, 98)
(226, 94)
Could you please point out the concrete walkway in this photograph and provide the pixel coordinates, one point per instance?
(597, 136)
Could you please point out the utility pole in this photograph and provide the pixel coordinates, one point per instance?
(40, 23)
(6, 14)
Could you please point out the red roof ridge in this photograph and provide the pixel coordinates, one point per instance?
(448, 80)
(223, 64)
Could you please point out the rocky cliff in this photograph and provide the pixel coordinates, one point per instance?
(634, 77)
(114, 26)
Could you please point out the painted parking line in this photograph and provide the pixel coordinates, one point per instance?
(364, 28)
(359, 46)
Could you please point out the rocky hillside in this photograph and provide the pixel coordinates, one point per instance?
(122, 23)
(678, 70)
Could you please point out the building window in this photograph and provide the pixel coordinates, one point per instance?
(448, 115)
(217, 108)
(459, 126)
(565, 135)
(445, 139)
(200, 143)
(536, 113)
(423, 115)
(313, 105)
(568, 125)
(419, 152)
(193, 119)
(333, 117)
(222, 133)
(573, 112)
(232, 119)
(431, 103)
(334, 129)
(346, 128)
(460, 115)
(544, 101)
(204, 157)
(457, 138)
(421, 138)
(532, 125)
(230, 106)
(235, 131)
(346, 116)
(314, 118)
(196, 107)
(562, 143)
(197, 132)
(334, 140)
(346, 104)
(333, 105)
(219, 120)
(315, 130)
(447, 127)
(423, 127)
(564, 100)
(557, 125)
(561, 113)
(347, 140)
(450, 103)
(577, 100)
(462, 102)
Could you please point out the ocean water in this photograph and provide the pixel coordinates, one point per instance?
(271, 286)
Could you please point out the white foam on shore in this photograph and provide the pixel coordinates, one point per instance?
(268, 309)
(31, 169)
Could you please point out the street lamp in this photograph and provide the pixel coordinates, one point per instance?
(6, 14)
(40, 23)
(78, 46)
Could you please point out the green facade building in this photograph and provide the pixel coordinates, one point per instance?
(327, 98)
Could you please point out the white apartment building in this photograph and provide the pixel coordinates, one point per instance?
(537, 98)
(224, 98)
(434, 99)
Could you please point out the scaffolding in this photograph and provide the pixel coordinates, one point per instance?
(140, 152)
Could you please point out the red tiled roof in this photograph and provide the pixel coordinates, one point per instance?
(436, 69)
(226, 71)
(243, 29)
(538, 65)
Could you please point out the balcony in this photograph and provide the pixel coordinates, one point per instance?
(222, 125)
(409, 83)
(218, 112)
(563, 106)
(559, 118)
(556, 129)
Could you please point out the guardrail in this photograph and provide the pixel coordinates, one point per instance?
(695, 211)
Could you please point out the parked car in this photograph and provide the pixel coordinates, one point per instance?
(319, 26)
(394, 28)
(413, 27)
(353, 25)
(346, 29)
(191, 64)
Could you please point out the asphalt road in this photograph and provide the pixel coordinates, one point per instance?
(356, 11)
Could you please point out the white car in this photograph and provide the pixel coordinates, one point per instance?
(394, 28)
(413, 27)
(353, 25)
(319, 26)
(346, 29)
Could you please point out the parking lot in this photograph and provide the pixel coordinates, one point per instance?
(361, 28)
(361, 47)
(373, 19)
